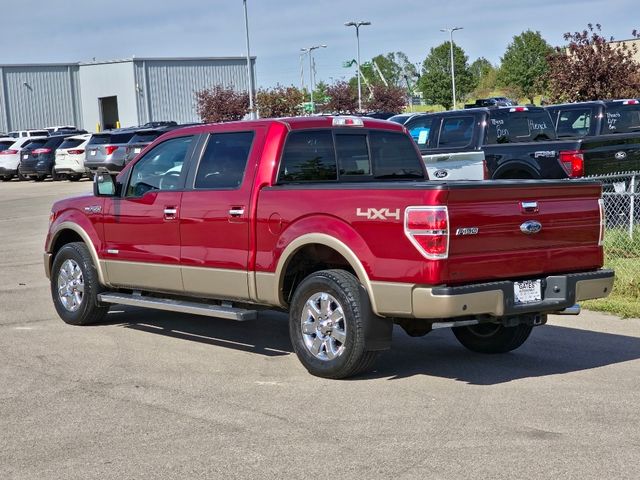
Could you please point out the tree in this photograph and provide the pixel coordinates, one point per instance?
(592, 68)
(279, 101)
(221, 104)
(485, 77)
(435, 82)
(342, 98)
(395, 67)
(386, 99)
(524, 64)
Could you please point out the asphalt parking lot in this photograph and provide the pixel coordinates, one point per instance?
(163, 395)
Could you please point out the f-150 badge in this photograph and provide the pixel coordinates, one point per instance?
(378, 213)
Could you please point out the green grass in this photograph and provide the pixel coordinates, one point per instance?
(623, 255)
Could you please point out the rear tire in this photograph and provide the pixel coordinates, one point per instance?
(7, 178)
(75, 286)
(54, 175)
(39, 178)
(326, 325)
(492, 337)
(74, 178)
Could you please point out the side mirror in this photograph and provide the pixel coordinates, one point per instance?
(103, 184)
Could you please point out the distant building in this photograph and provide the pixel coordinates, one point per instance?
(630, 44)
(105, 94)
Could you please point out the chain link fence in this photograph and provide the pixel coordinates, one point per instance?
(621, 196)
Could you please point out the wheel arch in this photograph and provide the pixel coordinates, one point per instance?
(516, 166)
(324, 241)
(68, 232)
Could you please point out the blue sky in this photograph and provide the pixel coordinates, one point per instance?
(78, 30)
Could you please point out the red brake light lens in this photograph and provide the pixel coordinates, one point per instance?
(42, 150)
(519, 109)
(110, 149)
(573, 162)
(75, 152)
(8, 151)
(428, 230)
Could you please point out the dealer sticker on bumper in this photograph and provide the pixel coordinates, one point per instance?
(527, 291)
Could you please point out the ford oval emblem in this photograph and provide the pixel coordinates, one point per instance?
(440, 173)
(621, 155)
(531, 226)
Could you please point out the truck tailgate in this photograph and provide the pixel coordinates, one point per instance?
(506, 244)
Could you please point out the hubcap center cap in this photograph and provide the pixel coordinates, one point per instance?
(325, 327)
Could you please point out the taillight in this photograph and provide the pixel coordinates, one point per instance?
(573, 162)
(41, 150)
(519, 109)
(485, 170)
(602, 222)
(8, 151)
(428, 229)
(110, 149)
(75, 152)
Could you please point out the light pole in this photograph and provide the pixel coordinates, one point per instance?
(252, 113)
(453, 70)
(358, 25)
(311, 76)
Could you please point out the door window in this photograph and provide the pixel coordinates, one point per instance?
(160, 168)
(420, 130)
(224, 160)
(456, 132)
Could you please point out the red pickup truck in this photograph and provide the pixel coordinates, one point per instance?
(334, 220)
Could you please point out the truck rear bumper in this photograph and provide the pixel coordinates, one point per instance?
(498, 299)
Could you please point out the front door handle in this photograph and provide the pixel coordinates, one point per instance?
(170, 213)
(236, 212)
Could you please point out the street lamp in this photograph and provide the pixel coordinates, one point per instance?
(311, 76)
(252, 113)
(358, 25)
(453, 71)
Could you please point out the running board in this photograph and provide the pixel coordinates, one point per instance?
(181, 306)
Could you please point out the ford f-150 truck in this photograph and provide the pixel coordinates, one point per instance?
(607, 134)
(334, 220)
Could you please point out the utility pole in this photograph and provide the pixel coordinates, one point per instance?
(358, 25)
(453, 70)
(309, 51)
(252, 113)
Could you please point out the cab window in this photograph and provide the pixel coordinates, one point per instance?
(160, 168)
(420, 130)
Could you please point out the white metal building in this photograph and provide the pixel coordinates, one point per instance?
(102, 94)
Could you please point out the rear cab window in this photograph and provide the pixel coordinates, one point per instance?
(574, 122)
(526, 125)
(349, 156)
(621, 118)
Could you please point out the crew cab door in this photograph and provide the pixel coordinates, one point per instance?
(216, 212)
(141, 227)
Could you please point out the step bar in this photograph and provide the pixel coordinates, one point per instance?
(182, 306)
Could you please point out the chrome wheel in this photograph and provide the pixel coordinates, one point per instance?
(324, 328)
(70, 285)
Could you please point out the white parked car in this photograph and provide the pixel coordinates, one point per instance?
(28, 133)
(61, 129)
(70, 157)
(10, 156)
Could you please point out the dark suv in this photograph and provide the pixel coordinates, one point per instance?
(38, 158)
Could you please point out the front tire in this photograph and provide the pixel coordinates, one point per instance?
(75, 286)
(492, 337)
(7, 178)
(75, 178)
(326, 325)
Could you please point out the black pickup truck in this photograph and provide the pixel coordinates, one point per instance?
(608, 133)
(512, 142)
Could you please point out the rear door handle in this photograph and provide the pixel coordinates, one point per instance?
(236, 211)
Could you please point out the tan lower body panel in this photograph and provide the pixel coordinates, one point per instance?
(216, 282)
(144, 276)
(393, 299)
(267, 288)
(598, 288)
(427, 305)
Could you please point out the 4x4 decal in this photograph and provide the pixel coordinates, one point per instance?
(378, 213)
